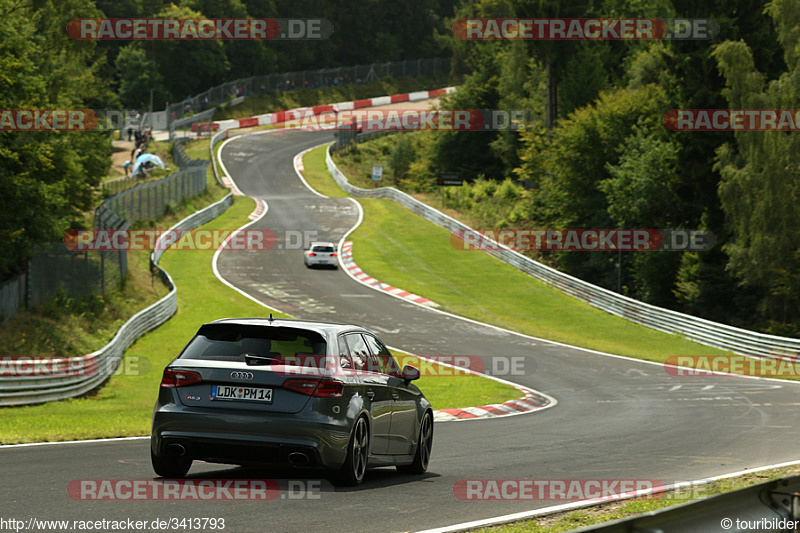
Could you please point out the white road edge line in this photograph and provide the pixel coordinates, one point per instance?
(214, 267)
(87, 441)
(517, 386)
(526, 336)
(219, 276)
(515, 517)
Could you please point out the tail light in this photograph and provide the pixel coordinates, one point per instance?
(179, 378)
(312, 254)
(318, 388)
(333, 254)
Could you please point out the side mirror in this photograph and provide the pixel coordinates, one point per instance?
(410, 373)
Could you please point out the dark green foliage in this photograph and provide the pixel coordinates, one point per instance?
(608, 161)
(46, 177)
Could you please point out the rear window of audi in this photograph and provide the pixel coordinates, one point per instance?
(231, 342)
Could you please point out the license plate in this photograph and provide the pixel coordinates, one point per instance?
(229, 392)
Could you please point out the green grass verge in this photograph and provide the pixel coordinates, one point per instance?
(356, 162)
(67, 326)
(198, 149)
(76, 326)
(449, 388)
(617, 510)
(404, 250)
(124, 405)
(317, 175)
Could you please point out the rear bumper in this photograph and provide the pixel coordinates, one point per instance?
(319, 262)
(236, 437)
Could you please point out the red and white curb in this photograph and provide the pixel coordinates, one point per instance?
(531, 401)
(306, 112)
(301, 113)
(360, 275)
(229, 183)
(261, 207)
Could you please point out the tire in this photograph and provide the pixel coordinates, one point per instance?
(355, 464)
(170, 467)
(423, 455)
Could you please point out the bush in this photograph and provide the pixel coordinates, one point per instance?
(401, 157)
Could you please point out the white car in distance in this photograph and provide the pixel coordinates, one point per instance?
(321, 254)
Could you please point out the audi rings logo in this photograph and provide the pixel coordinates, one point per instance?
(242, 376)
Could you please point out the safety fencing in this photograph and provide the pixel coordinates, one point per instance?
(186, 122)
(737, 340)
(57, 269)
(303, 113)
(54, 270)
(224, 127)
(87, 372)
(149, 200)
(306, 79)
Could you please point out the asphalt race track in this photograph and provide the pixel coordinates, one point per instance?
(616, 418)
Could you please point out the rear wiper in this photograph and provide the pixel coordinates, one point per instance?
(253, 359)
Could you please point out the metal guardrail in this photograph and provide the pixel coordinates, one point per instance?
(737, 340)
(182, 123)
(771, 506)
(195, 220)
(90, 371)
(306, 79)
(215, 140)
(182, 159)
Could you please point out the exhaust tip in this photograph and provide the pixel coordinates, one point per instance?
(176, 450)
(299, 459)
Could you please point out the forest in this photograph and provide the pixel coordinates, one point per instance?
(600, 156)
(603, 155)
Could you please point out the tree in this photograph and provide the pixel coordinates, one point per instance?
(642, 193)
(583, 167)
(187, 67)
(138, 76)
(46, 178)
(760, 185)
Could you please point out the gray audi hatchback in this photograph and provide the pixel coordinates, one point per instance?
(264, 391)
